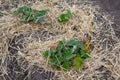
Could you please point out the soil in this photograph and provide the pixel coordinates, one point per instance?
(103, 74)
(16, 72)
(112, 7)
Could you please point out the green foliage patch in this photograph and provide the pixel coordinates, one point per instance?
(28, 14)
(68, 54)
(65, 17)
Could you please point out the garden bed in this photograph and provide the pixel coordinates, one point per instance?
(22, 44)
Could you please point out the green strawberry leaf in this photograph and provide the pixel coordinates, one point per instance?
(24, 10)
(66, 65)
(41, 20)
(61, 59)
(26, 18)
(39, 16)
(70, 14)
(73, 49)
(43, 12)
(46, 54)
(76, 67)
(78, 62)
(28, 11)
(83, 55)
(73, 43)
(69, 56)
(65, 16)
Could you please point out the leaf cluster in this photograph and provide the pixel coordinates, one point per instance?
(68, 54)
(64, 17)
(28, 14)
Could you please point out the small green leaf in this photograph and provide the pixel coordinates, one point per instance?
(73, 43)
(76, 44)
(73, 49)
(61, 59)
(70, 14)
(30, 18)
(69, 56)
(43, 12)
(39, 16)
(24, 18)
(46, 54)
(83, 55)
(82, 46)
(60, 45)
(76, 67)
(27, 13)
(19, 10)
(66, 65)
(78, 62)
(52, 62)
(52, 53)
(24, 10)
(65, 16)
(41, 20)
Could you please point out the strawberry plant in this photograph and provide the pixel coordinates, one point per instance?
(39, 16)
(65, 17)
(68, 54)
(28, 14)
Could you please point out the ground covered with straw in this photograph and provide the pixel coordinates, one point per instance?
(22, 44)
